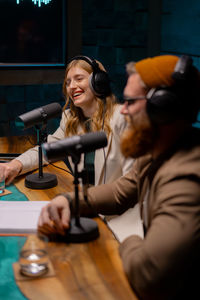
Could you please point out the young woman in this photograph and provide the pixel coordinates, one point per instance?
(92, 107)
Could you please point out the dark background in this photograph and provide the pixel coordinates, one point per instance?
(112, 31)
(32, 34)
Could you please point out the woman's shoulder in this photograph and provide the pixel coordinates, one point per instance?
(66, 114)
(67, 111)
(64, 118)
(117, 107)
(117, 116)
(117, 121)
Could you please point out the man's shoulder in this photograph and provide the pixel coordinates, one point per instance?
(184, 162)
(143, 162)
(189, 149)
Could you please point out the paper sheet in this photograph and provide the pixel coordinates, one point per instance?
(20, 216)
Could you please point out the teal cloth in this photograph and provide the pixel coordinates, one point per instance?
(15, 195)
(9, 253)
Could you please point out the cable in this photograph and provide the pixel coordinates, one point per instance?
(104, 179)
(62, 169)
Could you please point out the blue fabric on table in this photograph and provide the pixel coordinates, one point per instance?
(15, 195)
(9, 253)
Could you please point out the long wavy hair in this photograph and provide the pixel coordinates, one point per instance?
(100, 119)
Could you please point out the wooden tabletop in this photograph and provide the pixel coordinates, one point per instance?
(19, 144)
(84, 271)
(16, 144)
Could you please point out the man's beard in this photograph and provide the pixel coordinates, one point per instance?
(139, 138)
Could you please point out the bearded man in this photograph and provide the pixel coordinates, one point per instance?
(161, 102)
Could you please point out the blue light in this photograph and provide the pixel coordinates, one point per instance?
(39, 2)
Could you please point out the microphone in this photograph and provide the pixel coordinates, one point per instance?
(81, 229)
(74, 145)
(39, 115)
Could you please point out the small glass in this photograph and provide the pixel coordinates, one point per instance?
(2, 183)
(33, 257)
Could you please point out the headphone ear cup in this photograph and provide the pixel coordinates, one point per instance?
(162, 105)
(100, 83)
(165, 105)
(183, 69)
(99, 80)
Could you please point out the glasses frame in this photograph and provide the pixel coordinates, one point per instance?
(130, 101)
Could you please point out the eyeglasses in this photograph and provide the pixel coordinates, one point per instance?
(130, 101)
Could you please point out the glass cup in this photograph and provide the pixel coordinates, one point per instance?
(2, 182)
(33, 257)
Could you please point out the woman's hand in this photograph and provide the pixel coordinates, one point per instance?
(55, 217)
(11, 170)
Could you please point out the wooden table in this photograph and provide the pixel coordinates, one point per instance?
(65, 180)
(86, 271)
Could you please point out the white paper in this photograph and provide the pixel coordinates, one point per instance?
(20, 216)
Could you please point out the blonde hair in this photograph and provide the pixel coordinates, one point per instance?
(101, 118)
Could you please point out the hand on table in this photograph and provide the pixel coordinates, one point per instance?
(11, 170)
(55, 217)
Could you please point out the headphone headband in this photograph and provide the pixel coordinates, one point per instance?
(92, 62)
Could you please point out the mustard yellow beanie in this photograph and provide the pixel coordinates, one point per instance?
(157, 71)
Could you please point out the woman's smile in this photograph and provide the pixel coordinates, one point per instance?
(77, 94)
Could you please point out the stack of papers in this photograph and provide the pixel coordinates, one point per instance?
(20, 216)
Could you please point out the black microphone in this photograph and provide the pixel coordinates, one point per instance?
(74, 145)
(39, 115)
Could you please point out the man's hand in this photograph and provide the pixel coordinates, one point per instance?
(55, 217)
(11, 170)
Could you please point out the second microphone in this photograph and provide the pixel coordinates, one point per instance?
(74, 145)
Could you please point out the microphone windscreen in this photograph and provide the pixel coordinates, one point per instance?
(52, 110)
(39, 115)
(93, 140)
(74, 146)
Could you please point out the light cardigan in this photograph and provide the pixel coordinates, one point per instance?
(107, 168)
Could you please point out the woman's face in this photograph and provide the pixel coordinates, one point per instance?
(78, 89)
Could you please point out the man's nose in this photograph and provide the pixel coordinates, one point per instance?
(124, 109)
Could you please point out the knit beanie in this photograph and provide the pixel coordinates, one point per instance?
(157, 71)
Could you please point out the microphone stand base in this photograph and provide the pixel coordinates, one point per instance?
(47, 181)
(85, 232)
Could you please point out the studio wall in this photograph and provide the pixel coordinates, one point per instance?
(114, 32)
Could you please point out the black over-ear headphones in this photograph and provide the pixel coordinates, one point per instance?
(168, 103)
(99, 79)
